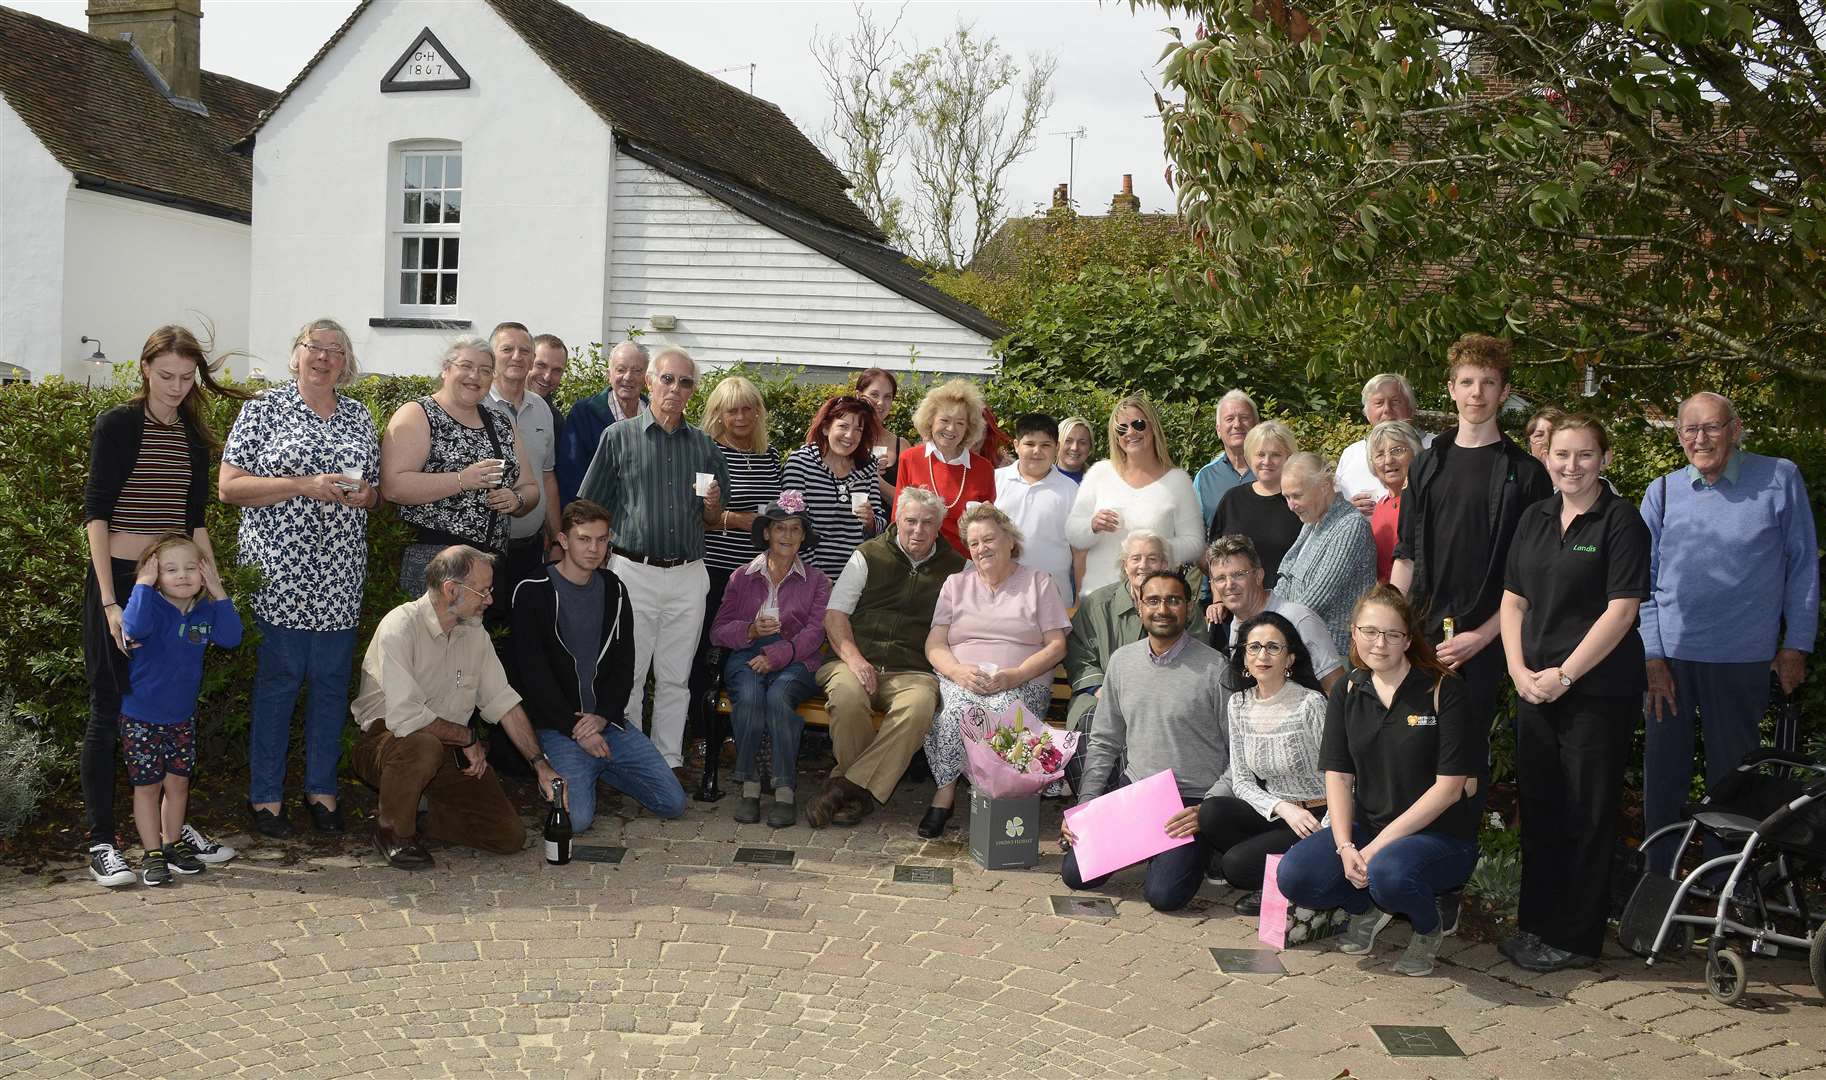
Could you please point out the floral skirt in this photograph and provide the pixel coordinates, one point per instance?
(945, 742)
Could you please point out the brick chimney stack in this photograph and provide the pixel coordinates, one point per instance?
(1061, 197)
(167, 33)
(1125, 201)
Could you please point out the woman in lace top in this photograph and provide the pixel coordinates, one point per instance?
(1276, 721)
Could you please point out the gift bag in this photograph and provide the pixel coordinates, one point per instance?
(1284, 924)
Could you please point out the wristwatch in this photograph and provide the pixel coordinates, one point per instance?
(536, 760)
(1565, 680)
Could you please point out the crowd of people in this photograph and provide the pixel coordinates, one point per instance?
(1315, 648)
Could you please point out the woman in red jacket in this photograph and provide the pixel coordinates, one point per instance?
(950, 421)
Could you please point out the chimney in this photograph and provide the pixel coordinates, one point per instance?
(1061, 197)
(166, 32)
(1125, 201)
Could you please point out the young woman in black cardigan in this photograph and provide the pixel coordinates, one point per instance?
(148, 474)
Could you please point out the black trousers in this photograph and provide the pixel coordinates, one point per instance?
(1569, 760)
(107, 670)
(699, 726)
(1243, 838)
(1484, 675)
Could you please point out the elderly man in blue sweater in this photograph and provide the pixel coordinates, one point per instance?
(1735, 588)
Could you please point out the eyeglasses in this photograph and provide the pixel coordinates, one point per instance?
(1272, 648)
(683, 382)
(483, 593)
(470, 367)
(1137, 426)
(1399, 450)
(1232, 579)
(1163, 601)
(334, 352)
(1373, 633)
(1711, 431)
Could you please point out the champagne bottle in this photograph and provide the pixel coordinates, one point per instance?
(558, 828)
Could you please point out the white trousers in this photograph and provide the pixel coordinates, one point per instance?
(668, 615)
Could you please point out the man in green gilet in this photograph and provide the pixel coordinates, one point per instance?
(880, 612)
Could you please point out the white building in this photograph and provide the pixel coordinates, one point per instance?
(122, 206)
(443, 165)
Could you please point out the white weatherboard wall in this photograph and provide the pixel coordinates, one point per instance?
(536, 166)
(742, 291)
(33, 187)
(132, 266)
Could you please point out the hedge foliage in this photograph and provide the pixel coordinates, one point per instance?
(44, 436)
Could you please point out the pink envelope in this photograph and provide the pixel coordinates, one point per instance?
(1126, 825)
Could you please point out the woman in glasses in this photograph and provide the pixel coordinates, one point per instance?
(1405, 771)
(837, 473)
(950, 420)
(1138, 487)
(1276, 721)
(1259, 510)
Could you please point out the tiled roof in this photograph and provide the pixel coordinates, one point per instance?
(663, 102)
(93, 107)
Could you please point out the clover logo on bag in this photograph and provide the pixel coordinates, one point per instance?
(1014, 827)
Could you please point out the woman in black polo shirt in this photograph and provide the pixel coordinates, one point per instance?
(1404, 784)
(1578, 570)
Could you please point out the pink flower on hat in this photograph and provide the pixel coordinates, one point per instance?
(792, 500)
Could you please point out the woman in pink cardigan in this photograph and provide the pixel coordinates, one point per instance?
(772, 621)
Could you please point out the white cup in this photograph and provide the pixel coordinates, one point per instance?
(882, 452)
(352, 472)
(700, 485)
(988, 668)
(858, 499)
(972, 505)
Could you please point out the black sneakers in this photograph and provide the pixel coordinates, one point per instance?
(154, 870)
(182, 858)
(206, 849)
(108, 866)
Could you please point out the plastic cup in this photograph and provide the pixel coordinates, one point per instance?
(700, 484)
(882, 452)
(858, 499)
(352, 472)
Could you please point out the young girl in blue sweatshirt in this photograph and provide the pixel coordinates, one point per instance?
(170, 622)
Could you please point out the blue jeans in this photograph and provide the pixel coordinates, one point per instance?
(288, 659)
(1173, 876)
(1730, 700)
(634, 766)
(767, 703)
(1405, 878)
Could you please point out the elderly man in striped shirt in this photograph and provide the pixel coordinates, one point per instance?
(645, 472)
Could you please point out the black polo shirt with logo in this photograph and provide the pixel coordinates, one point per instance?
(1569, 579)
(1397, 753)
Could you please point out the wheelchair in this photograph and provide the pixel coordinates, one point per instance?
(1771, 815)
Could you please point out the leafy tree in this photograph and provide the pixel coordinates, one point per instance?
(1637, 186)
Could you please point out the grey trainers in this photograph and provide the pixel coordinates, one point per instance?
(1418, 958)
(1360, 936)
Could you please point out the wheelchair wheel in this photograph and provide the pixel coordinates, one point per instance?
(1816, 958)
(1726, 978)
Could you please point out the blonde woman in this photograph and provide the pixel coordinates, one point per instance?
(1258, 510)
(1137, 487)
(950, 421)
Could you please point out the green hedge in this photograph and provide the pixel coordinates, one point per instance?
(44, 433)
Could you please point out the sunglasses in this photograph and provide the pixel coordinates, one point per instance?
(1132, 425)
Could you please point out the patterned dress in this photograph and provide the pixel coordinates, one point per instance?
(464, 517)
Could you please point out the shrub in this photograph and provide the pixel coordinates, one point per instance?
(27, 761)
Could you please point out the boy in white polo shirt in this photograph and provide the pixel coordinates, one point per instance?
(1038, 497)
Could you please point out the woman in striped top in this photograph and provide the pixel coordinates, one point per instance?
(148, 475)
(836, 471)
(736, 417)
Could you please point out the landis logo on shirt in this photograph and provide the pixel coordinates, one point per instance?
(1418, 720)
(1589, 549)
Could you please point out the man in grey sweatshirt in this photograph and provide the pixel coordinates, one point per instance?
(1163, 707)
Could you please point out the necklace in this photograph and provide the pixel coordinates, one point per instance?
(962, 481)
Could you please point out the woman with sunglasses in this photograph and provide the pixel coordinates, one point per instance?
(838, 475)
(1405, 770)
(1138, 487)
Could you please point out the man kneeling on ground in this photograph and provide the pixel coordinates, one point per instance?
(428, 670)
(573, 645)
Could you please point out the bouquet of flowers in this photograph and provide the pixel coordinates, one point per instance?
(1013, 754)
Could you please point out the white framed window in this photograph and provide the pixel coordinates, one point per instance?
(425, 217)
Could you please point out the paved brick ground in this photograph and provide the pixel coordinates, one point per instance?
(678, 963)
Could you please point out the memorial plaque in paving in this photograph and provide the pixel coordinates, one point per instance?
(1248, 962)
(905, 874)
(763, 856)
(1416, 1041)
(595, 853)
(1083, 907)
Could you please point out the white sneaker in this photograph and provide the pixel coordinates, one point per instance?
(1359, 936)
(108, 866)
(207, 850)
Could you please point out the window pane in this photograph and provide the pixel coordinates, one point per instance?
(450, 253)
(453, 207)
(408, 288)
(415, 171)
(408, 255)
(431, 208)
(434, 171)
(411, 215)
(449, 294)
(427, 289)
(453, 170)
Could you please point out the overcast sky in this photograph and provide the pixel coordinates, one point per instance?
(1106, 63)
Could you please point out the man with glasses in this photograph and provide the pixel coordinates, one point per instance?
(622, 399)
(645, 474)
(1734, 590)
(429, 670)
(1239, 595)
(1164, 706)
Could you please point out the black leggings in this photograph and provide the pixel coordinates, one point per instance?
(1243, 836)
(107, 670)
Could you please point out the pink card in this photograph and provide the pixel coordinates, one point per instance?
(1273, 929)
(1126, 825)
